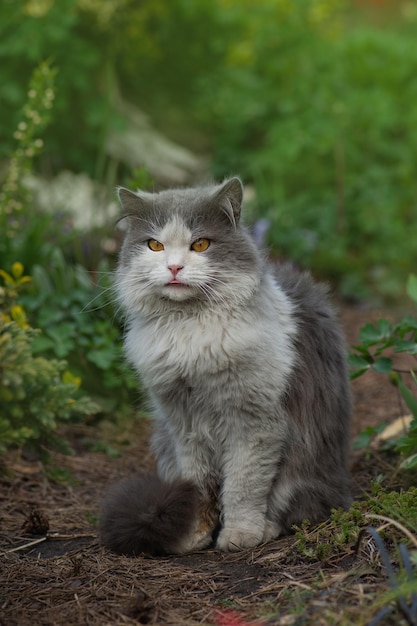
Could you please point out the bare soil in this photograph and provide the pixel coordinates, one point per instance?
(54, 572)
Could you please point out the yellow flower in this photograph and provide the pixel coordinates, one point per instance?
(69, 379)
(17, 270)
(16, 278)
(6, 277)
(18, 315)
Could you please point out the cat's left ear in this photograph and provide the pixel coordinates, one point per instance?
(229, 198)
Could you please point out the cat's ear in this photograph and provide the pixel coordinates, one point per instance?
(229, 198)
(130, 201)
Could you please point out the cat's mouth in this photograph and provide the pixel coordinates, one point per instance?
(176, 283)
(177, 290)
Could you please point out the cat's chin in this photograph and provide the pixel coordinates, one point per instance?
(178, 292)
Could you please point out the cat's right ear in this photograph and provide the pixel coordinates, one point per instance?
(132, 204)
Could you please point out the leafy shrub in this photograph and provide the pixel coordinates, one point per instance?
(36, 394)
(108, 43)
(77, 321)
(27, 235)
(315, 113)
(375, 341)
(75, 317)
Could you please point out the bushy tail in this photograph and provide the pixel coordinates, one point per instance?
(145, 514)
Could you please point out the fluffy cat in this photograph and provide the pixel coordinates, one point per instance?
(246, 372)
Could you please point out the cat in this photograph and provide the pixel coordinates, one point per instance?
(245, 367)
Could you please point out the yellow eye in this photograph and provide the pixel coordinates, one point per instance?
(200, 245)
(155, 246)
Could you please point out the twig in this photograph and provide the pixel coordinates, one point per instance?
(394, 522)
(49, 536)
(77, 536)
(26, 545)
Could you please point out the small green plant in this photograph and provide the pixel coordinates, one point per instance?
(36, 394)
(335, 536)
(13, 285)
(339, 534)
(25, 235)
(77, 321)
(74, 316)
(364, 439)
(139, 179)
(377, 347)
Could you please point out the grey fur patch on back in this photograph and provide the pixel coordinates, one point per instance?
(318, 398)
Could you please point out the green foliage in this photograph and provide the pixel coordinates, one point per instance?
(153, 52)
(339, 534)
(382, 338)
(36, 394)
(307, 103)
(400, 506)
(77, 321)
(366, 436)
(332, 537)
(315, 113)
(53, 30)
(25, 235)
(28, 234)
(74, 315)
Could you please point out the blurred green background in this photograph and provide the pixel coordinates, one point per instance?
(312, 102)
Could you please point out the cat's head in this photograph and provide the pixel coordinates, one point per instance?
(185, 246)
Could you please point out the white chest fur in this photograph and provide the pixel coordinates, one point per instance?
(176, 345)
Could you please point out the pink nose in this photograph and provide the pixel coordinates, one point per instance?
(174, 269)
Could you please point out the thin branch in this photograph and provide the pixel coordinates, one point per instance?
(26, 545)
(394, 522)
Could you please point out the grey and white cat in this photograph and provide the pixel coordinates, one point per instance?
(245, 368)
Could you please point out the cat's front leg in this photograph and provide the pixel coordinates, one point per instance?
(248, 476)
(194, 465)
(188, 458)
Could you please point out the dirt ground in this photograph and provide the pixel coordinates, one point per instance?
(62, 576)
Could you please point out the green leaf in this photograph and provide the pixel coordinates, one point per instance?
(383, 365)
(409, 398)
(412, 287)
(411, 463)
(361, 349)
(103, 359)
(364, 438)
(358, 365)
(406, 346)
(408, 324)
(358, 361)
(384, 327)
(42, 344)
(370, 335)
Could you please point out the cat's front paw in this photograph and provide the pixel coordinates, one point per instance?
(272, 531)
(235, 539)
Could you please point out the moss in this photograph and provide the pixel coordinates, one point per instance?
(339, 534)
